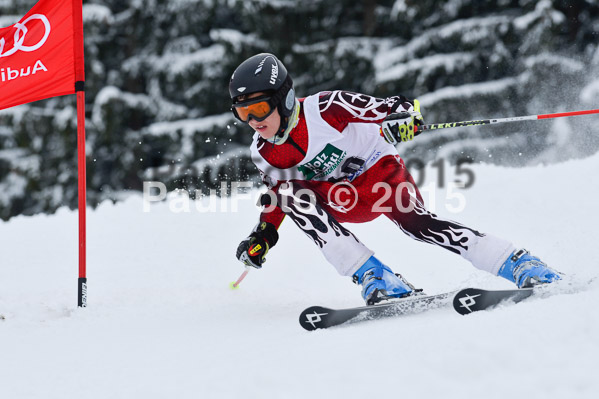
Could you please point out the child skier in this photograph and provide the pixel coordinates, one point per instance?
(312, 152)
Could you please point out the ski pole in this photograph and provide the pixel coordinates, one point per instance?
(435, 126)
(235, 284)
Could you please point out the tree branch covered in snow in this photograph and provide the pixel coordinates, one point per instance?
(157, 73)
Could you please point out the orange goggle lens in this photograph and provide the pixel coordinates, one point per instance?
(259, 111)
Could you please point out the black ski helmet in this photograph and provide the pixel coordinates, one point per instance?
(264, 73)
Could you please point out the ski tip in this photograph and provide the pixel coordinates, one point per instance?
(464, 302)
(471, 300)
(314, 318)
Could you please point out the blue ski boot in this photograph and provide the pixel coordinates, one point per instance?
(526, 270)
(379, 283)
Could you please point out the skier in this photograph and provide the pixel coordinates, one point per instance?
(313, 152)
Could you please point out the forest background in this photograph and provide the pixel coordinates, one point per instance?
(157, 77)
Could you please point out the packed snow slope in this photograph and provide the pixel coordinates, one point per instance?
(162, 321)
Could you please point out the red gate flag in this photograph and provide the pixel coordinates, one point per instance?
(41, 56)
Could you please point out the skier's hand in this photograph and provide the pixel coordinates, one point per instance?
(252, 251)
(400, 126)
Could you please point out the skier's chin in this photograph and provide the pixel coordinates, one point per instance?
(266, 133)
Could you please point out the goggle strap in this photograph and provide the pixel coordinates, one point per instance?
(283, 90)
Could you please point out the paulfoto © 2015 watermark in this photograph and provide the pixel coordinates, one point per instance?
(442, 189)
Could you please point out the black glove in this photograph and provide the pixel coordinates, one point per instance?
(252, 251)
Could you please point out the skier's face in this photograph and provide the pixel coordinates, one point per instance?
(269, 126)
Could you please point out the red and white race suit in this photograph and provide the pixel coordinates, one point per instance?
(335, 151)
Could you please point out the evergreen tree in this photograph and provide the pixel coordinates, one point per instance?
(157, 73)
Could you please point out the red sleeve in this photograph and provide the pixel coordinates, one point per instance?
(339, 108)
(275, 217)
(272, 214)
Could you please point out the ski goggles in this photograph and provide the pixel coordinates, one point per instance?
(258, 108)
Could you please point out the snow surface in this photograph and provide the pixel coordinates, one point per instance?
(163, 323)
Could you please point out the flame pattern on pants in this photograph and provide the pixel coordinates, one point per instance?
(309, 204)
